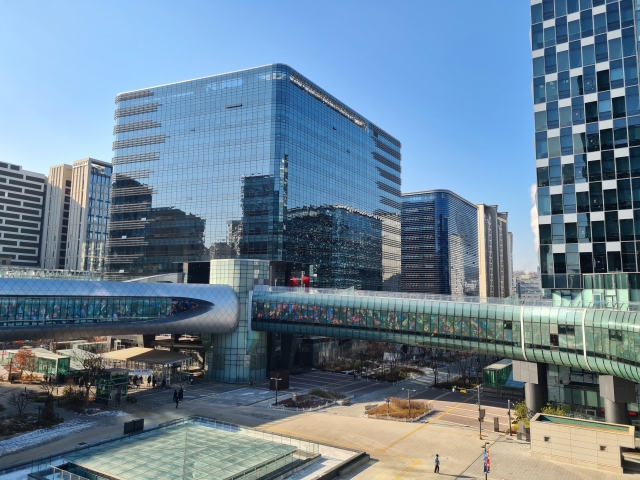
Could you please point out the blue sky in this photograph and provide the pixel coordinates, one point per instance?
(450, 79)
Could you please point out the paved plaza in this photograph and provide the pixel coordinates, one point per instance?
(397, 449)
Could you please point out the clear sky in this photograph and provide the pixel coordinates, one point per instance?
(450, 79)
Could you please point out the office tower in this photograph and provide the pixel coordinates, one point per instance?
(56, 217)
(529, 288)
(22, 200)
(89, 215)
(513, 278)
(439, 243)
(494, 249)
(587, 140)
(77, 214)
(246, 165)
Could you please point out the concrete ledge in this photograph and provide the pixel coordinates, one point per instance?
(578, 462)
(346, 467)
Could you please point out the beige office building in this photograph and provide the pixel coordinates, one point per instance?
(494, 252)
(77, 216)
(56, 218)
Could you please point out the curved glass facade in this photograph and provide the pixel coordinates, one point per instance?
(30, 310)
(253, 164)
(439, 244)
(603, 341)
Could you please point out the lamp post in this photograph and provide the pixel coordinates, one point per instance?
(480, 411)
(388, 400)
(509, 409)
(409, 395)
(276, 380)
(487, 461)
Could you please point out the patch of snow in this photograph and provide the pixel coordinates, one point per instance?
(38, 437)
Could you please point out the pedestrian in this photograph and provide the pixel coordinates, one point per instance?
(164, 383)
(181, 394)
(175, 397)
(190, 379)
(138, 383)
(251, 382)
(148, 380)
(435, 460)
(153, 382)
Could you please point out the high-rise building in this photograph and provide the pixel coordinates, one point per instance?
(587, 140)
(77, 215)
(439, 244)
(529, 288)
(248, 165)
(56, 218)
(22, 203)
(494, 249)
(89, 215)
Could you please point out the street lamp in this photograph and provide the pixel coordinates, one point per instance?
(409, 395)
(509, 409)
(487, 461)
(276, 379)
(480, 410)
(388, 400)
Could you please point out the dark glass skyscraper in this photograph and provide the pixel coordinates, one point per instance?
(261, 164)
(439, 244)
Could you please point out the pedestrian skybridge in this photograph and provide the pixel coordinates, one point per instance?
(601, 340)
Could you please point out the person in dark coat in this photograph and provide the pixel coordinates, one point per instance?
(180, 394)
(175, 397)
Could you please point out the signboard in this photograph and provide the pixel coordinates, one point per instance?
(140, 373)
(487, 462)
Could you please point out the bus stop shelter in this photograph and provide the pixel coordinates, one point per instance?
(166, 365)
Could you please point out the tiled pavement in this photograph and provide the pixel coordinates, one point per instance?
(398, 450)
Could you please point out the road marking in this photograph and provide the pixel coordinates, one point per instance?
(420, 428)
(415, 464)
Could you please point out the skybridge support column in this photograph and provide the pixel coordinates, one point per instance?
(535, 389)
(617, 392)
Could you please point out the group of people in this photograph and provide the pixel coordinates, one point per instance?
(138, 380)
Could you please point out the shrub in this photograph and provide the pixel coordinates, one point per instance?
(399, 408)
(328, 394)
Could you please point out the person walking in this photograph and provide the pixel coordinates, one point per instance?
(437, 463)
(164, 383)
(175, 397)
(251, 382)
(191, 379)
(153, 382)
(181, 394)
(148, 380)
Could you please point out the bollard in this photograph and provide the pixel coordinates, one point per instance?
(496, 424)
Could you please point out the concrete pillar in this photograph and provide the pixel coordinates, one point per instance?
(615, 412)
(535, 397)
(617, 392)
(534, 375)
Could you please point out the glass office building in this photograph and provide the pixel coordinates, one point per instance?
(439, 244)
(260, 164)
(587, 140)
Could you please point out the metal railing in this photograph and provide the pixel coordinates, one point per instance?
(509, 301)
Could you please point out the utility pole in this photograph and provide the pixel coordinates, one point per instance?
(409, 395)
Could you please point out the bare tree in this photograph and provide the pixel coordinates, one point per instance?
(92, 366)
(19, 401)
(23, 362)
